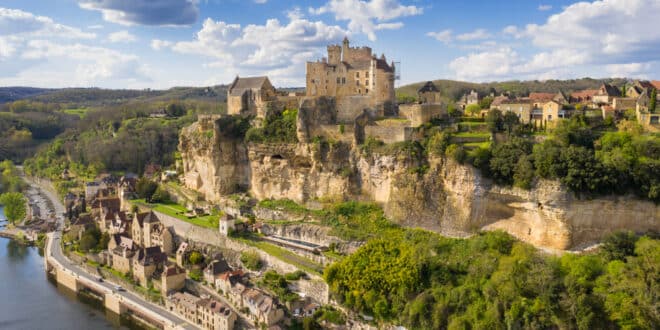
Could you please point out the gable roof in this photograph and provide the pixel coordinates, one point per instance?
(428, 87)
(541, 97)
(240, 85)
(655, 84)
(609, 90)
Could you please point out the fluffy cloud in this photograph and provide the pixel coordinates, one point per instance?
(474, 35)
(122, 36)
(279, 50)
(444, 36)
(17, 22)
(545, 7)
(610, 37)
(368, 16)
(495, 64)
(41, 52)
(145, 12)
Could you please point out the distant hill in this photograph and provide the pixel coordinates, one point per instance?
(453, 90)
(10, 94)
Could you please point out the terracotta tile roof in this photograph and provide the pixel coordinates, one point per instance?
(541, 97)
(656, 84)
(584, 94)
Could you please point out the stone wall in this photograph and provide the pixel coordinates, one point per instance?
(419, 114)
(349, 107)
(389, 134)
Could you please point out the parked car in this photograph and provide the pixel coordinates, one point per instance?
(119, 288)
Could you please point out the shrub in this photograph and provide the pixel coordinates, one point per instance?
(251, 260)
(195, 258)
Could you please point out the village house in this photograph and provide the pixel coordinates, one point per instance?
(356, 78)
(624, 103)
(80, 225)
(226, 224)
(181, 253)
(172, 279)
(605, 94)
(204, 312)
(145, 262)
(227, 280)
(429, 106)
(583, 97)
(215, 268)
(250, 96)
(121, 251)
(522, 108)
(263, 308)
(148, 231)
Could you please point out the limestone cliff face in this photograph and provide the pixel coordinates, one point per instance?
(433, 194)
(214, 164)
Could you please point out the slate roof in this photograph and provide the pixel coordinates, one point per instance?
(609, 90)
(240, 85)
(428, 87)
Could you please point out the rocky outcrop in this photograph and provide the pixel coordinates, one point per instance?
(430, 193)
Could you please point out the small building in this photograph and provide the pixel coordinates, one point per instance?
(583, 96)
(227, 280)
(605, 94)
(146, 262)
(122, 254)
(624, 103)
(181, 254)
(522, 108)
(250, 96)
(173, 279)
(226, 224)
(206, 313)
(429, 107)
(214, 268)
(263, 308)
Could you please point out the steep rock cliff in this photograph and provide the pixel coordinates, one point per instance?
(434, 193)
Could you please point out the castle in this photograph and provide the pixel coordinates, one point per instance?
(349, 96)
(356, 78)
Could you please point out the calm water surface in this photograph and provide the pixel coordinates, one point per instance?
(29, 300)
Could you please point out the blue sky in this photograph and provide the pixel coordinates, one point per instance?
(166, 43)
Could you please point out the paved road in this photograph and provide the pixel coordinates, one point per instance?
(55, 249)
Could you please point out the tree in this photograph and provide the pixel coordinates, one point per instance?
(195, 257)
(14, 206)
(175, 110)
(523, 174)
(510, 120)
(87, 242)
(146, 188)
(494, 120)
(473, 109)
(486, 102)
(160, 196)
(619, 245)
(652, 102)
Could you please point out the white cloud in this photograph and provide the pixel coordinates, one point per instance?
(368, 16)
(444, 36)
(496, 64)
(17, 22)
(42, 52)
(276, 49)
(122, 36)
(145, 12)
(260, 1)
(474, 35)
(604, 37)
(158, 44)
(545, 7)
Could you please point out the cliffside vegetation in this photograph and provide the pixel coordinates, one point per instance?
(276, 128)
(589, 156)
(9, 178)
(425, 281)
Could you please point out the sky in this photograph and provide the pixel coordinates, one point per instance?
(165, 43)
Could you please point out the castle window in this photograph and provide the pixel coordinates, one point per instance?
(312, 81)
(366, 82)
(357, 75)
(343, 80)
(338, 80)
(359, 91)
(366, 91)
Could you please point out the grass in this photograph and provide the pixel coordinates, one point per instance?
(80, 112)
(483, 145)
(473, 135)
(284, 255)
(178, 211)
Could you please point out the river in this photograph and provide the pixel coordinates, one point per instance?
(29, 300)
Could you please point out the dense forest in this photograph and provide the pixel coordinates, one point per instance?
(491, 281)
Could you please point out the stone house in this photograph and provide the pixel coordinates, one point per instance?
(522, 108)
(263, 308)
(145, 262)
(122, 253)
(250, 96)
(584, 96)
(81, 224)
(181, 254)
(540, 99)
(430, 106)
(204, 312)
(172, 279)
(356, 78)
(215, 268)
(553, 110)
(148, 231)
(227, 280)
(226, 224)
(624, 103)
(605, 94)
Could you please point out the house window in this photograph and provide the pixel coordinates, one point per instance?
(357, 83)
(366, 82)
(338, 80)
(343, 80)
(366, 91)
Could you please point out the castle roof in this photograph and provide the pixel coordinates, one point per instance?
(240, 85)
(428, 87)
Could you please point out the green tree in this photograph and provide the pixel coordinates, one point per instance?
(494, 120)
(160, 196)
(485, 102)
(653, 100)
(546, 159)
(510, 120)
(473, 109)
(251, 260)
(195, 258)
(505, 157)
(523, 173)
(14, 206)
(146, 188)
(619, 245)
